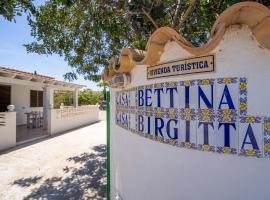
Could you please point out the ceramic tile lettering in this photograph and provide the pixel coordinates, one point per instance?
(227, 94)
(207, 114)
(123, 99)
(122, 119)
(145, 124)
(168, 129)
(188, 130)
(266, 135)
(250, 136)
(159, 98)
(227, 134)
(206, 131)
(188, 94)
(206, 94)
(171, 95)
(139, 97)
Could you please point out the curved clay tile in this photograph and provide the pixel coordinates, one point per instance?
(256, 16)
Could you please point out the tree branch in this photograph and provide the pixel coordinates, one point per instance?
(188, 11)
(150, 18)
(176, 15)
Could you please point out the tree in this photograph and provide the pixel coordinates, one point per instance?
(89, 97)
(104, 85)
(62, 96)
(89, 32)
(11, 8)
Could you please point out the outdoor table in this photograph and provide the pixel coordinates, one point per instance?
(35, 118)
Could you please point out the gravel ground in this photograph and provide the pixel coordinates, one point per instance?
(68, 166)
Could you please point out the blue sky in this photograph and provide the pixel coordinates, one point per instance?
(13, 54)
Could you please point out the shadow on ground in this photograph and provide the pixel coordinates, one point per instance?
(26, 182)
(88, 181)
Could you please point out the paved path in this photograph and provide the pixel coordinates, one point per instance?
(69, 166)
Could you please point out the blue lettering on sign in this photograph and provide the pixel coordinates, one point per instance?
(228, 99)
(171, 92)
(141, 97)
(250, 136)
(158, 91)
(148, 93)
(227, 132)
(209, 103)
(201, 107)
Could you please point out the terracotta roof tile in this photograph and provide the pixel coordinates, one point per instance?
(23, 73)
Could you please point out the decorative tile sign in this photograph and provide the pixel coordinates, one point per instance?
(206, 115)
(180, 67)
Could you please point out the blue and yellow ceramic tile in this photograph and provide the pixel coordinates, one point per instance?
(138, 89)
(122, 99)
(243, 96)
(266, 136)
(184, 118)
(171, 113)
(187, 111)
(147, 89)
(250, 133)
(206, 147)
(226, 112)
(187, 83)
(227, 95)
(227, 144)
(158, 85)
(158, 138)
(159, 112)
(122, 119)
(206, 118)
(149, 111)
(206, 82)
(170, 84)
(205, 112)
(170, 142)
(227, 118)
(250, 119)
(227, 80)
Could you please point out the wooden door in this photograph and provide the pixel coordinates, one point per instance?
(5, 97)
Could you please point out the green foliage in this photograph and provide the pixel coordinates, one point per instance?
(65, 97)
(11, 8)
(89, 97)
(104, 85)
(87, 33)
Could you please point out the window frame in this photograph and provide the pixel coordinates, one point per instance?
(38, 99)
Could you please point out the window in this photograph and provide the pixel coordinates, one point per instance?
(4, 97)
(36, 98)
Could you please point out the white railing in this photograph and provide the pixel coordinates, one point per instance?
(7, 130)
(67, 118)
(69, 112)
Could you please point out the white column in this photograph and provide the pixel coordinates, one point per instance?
(75, 98)
(48, 94)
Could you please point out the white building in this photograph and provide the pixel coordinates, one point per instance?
(167, 140)
(32, 95)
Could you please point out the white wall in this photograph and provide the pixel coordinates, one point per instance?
(8, 131)
(58, 125)
(20, 97)
(145, 169)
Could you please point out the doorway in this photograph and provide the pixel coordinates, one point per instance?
(5, 97)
